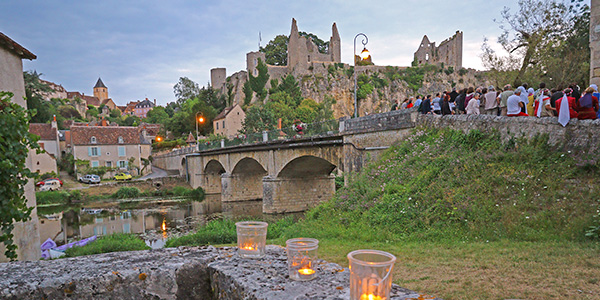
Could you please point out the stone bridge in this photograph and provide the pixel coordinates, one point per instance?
(288, 175)
(292, 175)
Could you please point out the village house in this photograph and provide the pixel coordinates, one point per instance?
(142, 108)
(45, 162)
(26, 234)
(229, 121)
(110, 146)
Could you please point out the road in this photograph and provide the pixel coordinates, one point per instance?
(156, 173)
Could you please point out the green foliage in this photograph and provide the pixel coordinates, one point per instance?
(214, 232)
(196, 194)
(185, 89)
(157, 115)
(127, 192)
(258, 119)
(440, 184)
(15, 142)
(322, 46)
(170, 144)
(593, 231)
(224, 232)
(259, 82)
(51, 197)
(450, 70)
(276, 51)
(111, 243)
(247, 93)
(462, 71)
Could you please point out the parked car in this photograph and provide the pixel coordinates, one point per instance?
(40, 183)
(123, 176)
(90, 179)
(51, 185)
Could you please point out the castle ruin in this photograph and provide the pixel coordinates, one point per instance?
(449, 52)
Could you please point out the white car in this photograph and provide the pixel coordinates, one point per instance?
(50, 185)
(89, 179)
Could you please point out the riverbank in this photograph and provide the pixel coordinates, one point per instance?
(471, 217)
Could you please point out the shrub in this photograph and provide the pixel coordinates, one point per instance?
(215, 232)
(52, 197)
(180, 191)
(127, 192)
(111, 243)
(196, 194)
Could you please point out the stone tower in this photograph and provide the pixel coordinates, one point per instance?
(296, 48)
(335, 47)
(595, 42)
(425, 52)
(100, 90)
(252, 62)
(217, 78)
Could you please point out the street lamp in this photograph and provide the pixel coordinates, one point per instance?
(363, 55)
(198, 120)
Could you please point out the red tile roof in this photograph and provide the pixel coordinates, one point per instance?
(109, 135)
(44, 130)
(14, 47)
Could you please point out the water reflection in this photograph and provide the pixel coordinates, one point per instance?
(155, 224)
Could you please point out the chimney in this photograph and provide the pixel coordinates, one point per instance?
(154, 102)
(53, 123)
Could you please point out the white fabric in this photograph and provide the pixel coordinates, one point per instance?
(564, 115)
(512, 105)
(538, 113)
(490, 100)
(524, 95)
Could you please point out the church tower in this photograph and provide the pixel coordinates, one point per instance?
(100, 90)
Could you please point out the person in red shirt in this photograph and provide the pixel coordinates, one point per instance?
(572, 104)
(587, 106)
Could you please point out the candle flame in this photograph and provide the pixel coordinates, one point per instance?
(248, 248)
(164, 225)
(306, 271)
(370, 297)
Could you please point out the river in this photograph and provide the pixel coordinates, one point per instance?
(155, 223)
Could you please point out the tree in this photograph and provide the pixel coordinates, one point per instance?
(185, 89)
(276, 51)
(42, 111)
(534, 27)
(14, 133)
(157, 115)
(258, 119)
(322, 46)
(259, 82)
(115, 113)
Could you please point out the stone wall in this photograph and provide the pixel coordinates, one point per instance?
(595, 42)
(175, 273)
(577, 135)
(284, 194)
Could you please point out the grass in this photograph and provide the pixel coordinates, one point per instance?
(468, 216)
(109, 243)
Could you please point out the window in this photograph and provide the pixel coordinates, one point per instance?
(95, 164)
(217, 125)
(223, 124)
(93, 140)
(120, 140)
(109, 164)
(94, 151)
(122, 164)
(255, 62)
(126, 228)
(122, 151)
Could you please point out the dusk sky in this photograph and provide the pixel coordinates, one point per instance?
(141, 48)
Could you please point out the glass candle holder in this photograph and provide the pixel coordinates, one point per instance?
(302, 255)
(370, 274)
(251, 238)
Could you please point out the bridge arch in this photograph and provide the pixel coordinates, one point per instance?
(211, 176)
(302, 183)
(307, 166)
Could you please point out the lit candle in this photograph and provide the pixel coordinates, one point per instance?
(248, 248)
(370, 297)
(306, 273)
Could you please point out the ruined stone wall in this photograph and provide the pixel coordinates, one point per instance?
(217, 78)
(449, 52)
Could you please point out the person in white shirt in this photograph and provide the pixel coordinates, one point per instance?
(514, 105)
(473, 106)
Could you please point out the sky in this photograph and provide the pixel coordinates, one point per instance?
(140, 49)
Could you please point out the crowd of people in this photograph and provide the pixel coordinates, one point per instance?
(522, 101)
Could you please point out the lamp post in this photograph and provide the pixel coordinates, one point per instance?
(363, 55)
(198, 119)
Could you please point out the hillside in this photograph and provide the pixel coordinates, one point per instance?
(445, 185)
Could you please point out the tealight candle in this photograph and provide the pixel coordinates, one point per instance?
(251, 238)
(370, 297)
(302, 255)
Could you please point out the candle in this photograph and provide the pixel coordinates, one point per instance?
(370, 297)
(306, 273)
(248, 248)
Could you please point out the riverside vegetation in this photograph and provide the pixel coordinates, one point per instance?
(467, 215)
